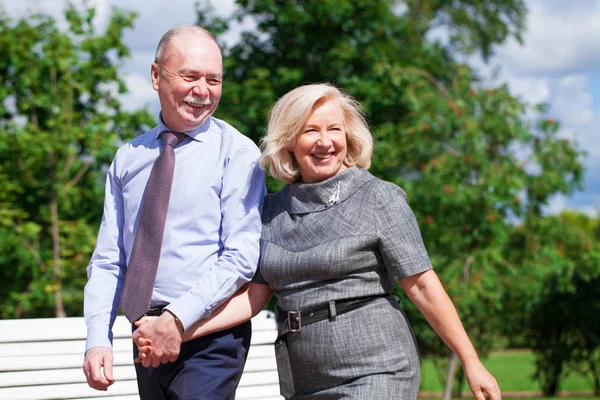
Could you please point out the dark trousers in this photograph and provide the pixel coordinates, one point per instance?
(209, 368)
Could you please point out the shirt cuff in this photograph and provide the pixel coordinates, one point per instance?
(98, 336)
(187, 314)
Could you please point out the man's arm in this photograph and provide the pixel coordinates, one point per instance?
(102, 291)
(245, 304)
(242, 194)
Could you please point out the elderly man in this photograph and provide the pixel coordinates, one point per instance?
(180, 232)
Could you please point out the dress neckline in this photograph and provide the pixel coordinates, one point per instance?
(302, 198)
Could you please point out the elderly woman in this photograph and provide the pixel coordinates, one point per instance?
(334, 241)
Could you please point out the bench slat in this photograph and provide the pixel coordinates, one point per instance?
(259, 392)
(261, 379)
(78, 346)
(256, 372)
(75, 361)
(35, 378)
(73, 328)
(67, 391)
(122, 397)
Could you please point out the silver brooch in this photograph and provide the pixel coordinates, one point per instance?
(335, 197)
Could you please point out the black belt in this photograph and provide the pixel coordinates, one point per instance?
(296, 319)
(293, 321)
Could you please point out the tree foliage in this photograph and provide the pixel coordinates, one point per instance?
(555, 311)
(60, 121)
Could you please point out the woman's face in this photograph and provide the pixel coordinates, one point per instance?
(320, 149)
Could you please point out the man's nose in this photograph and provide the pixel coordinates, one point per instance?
(201, 87)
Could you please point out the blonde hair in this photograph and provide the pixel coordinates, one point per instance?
(289, 115)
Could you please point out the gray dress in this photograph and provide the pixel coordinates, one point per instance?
(350, 236)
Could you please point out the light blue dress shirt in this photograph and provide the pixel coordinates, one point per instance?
(211, 240)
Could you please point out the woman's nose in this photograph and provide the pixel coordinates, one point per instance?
(324, 139)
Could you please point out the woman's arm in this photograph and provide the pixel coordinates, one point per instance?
(427, 293)
(239, 308)
(245, 304)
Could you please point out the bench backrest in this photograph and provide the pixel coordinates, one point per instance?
(42, 359)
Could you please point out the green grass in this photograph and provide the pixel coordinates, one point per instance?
(513, 369)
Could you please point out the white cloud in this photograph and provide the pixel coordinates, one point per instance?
(560, 203)
(556, 205)
(573, 101)
(558, 39)
(141, 94)
(555, 66)
(530, 90)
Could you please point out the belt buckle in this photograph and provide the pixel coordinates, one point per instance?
(295, 321)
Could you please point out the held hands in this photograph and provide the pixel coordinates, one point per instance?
(144, 345)
(158, 340)
(482, 383)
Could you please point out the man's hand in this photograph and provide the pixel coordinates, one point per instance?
(165, 337)
(98, 368)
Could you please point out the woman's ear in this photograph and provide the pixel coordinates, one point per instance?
(291, 148)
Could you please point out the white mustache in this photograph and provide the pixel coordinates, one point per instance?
(197, 100)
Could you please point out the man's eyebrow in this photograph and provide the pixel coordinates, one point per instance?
(188, 71)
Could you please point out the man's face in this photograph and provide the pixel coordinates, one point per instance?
(189, 84)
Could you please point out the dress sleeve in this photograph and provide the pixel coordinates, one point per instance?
(258, 277)
(266, 213)
(400, 242)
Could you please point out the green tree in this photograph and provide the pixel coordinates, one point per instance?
(557, 311)
(468, 157)
(60, 121)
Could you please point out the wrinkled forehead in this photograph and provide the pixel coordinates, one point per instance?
(195, 54)
(188, 43)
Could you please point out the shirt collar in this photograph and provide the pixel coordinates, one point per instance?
(195, 134)
(302, 198)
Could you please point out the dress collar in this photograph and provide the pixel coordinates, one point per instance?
(302, 198)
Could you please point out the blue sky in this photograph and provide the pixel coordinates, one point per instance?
(559, 63)
(595, 87)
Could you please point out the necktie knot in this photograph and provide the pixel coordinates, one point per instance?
(172, 138)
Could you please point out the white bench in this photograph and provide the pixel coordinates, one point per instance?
(42, 358)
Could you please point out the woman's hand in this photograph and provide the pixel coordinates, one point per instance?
(482, 383)
(144, 345)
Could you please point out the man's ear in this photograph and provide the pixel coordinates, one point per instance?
(155, 75)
